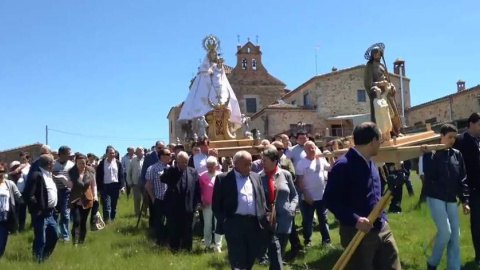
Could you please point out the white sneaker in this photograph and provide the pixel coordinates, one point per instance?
(217, 250)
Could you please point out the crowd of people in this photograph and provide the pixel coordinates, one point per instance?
(251, 202)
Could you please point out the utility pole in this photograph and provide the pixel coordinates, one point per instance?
(46, 135)
(316, 61)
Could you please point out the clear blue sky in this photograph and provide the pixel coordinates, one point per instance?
(114, 68)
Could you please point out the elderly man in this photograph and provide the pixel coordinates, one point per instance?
(240, 208)
(126, 159)
(353, 189)
(41, 198)
(311, 181)
(182, 200)
(134, 171)
(45, 149)
(156, 191)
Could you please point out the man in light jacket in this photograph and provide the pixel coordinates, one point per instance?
(134, 171)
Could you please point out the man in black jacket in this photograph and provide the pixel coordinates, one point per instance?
(182, 200)
(240, 208)
(110, 182)
(41, 198)
(468, 143)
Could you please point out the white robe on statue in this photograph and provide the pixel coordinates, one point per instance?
(208, 81)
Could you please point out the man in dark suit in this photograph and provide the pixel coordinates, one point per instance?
(182, 200)
(41, 198)
(240, 208)
(468, 143)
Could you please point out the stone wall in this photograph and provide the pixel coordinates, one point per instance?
(274, 121)
(450, 108)
(13, 154)
(174, 128)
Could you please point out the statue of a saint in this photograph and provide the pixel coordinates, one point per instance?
(246, 126)
(202, 127)
(187, 130)
(376, 82)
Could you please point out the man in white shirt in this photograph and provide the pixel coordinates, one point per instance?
(110, 183)
(134, 170)
(126, 159)
(61, 166)
(42, 208)
(311, 181)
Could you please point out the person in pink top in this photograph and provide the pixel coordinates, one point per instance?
(207, 180)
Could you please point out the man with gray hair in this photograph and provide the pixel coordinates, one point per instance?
(182, 200)
(240, 208)
(41, 198)
(126, 159)
(134, 170)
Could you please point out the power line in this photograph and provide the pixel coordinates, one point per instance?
(103, 137)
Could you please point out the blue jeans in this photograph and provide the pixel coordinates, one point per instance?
(64, 213)
(109, 200)
(445, 216)
(3, 237)
(45, 236)
(307, 221)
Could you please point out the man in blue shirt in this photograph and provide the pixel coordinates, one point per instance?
(353, 189)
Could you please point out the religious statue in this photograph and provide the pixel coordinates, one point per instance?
(195, 137)
(187, 130)
(210, 88)
(246, 126)
(382, 114)
(377, 82)
(202, 127)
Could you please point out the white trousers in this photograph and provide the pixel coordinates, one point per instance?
(208, 228)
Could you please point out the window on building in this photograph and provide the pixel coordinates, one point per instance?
(418, 123)
(337, 131)
(294, 102)
(249, 50)
(431, 120)
(244, 64)
(251, 105)
(306, 99)
(361, 95)
(254, 64)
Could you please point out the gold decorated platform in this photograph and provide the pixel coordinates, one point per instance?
(228, 148)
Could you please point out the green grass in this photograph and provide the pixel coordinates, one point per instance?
(121, 246)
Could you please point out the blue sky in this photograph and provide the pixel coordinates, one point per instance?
(111, 70)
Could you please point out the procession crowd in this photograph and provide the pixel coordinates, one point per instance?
(251, 201)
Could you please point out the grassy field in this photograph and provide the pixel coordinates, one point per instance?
(121, 246)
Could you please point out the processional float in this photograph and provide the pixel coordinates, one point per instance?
(393, 149)
(212, 108)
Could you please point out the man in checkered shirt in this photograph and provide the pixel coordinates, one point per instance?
(156, 192)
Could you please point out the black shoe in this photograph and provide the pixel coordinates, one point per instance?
(429, 267)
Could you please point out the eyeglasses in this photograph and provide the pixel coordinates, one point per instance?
(2, 171)
(280, 149)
